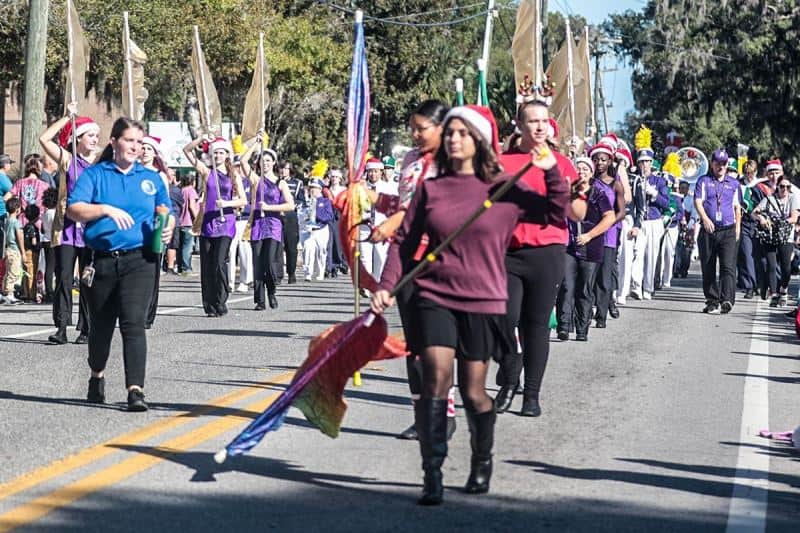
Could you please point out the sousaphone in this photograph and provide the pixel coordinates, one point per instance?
(694, 164)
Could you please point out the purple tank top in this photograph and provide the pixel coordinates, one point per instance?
(72, 235)
(213, 226)
(611, 237)
(268, 225)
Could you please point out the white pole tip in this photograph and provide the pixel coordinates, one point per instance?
(481, 64)
(220, 456)
(459, 84)
(359, 16)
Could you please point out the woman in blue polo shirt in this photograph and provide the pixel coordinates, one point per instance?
(116, 200)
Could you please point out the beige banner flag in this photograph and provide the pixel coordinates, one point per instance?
(558, 71)
(133, 76)
(257, 97)
(207, 99)
(583, 86)
(526, 47)
(77, 60)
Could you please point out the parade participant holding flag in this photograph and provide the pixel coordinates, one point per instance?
(222, 193)
(67, 236)
(535, 264)
(118, 200)
(151, 160)
(461, 299)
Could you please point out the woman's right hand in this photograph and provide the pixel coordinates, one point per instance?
(381, 300)
(121, 218)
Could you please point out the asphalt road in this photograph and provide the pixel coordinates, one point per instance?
(649, 426)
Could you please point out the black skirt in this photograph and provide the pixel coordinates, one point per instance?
(474, 336)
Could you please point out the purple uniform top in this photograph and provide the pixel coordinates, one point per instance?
(72, 234)
(212, 225)
(611, 237)
(597, 204)
(719, 198)
(268, 225)
(657, 205)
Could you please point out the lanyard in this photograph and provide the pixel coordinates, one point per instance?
(719, 197)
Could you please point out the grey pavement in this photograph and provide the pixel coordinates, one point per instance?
(642, 428)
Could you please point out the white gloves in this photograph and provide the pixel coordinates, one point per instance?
(651, 190)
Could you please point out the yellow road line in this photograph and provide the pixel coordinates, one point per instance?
(95, 453)
(30, 512)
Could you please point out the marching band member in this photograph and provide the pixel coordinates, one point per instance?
(320, 215)
(373, 254)
(669, 244)
(222, 194)
(67, 239)
(462, 295)
(240, 247)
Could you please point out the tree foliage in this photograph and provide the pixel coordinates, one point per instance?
(719, 74)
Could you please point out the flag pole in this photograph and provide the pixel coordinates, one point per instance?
(570, 81)
(207, 113)
(73, 98)
(588, 62)
(357, 253)
(459, 91)
(129, 68)
(261, 105)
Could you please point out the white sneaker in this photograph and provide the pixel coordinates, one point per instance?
(647, 296)
(10, 300)
(307, 278)
(242, 287)
(622, 301)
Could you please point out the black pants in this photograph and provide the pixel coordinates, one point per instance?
(291, 236)
(779, 256)
(153, 307)
(264, 267)
(65, 257)
(49, 270)
(335, 258)
(121, 290)
(574, 302)
(713, 246)
(534, 275)
(605, 284)
(746, 263)
(214, 273)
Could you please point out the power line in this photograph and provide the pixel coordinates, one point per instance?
(394, 22)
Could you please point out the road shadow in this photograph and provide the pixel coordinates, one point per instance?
(241, 333)
(775, 379)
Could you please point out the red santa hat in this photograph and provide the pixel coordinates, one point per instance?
(606, 145)
(482, 119)
(220, 143)
(586, 161)
(82, 125)
(155, 142)
(552, 128)
(624, 151)
(774, 164)
(374, 163)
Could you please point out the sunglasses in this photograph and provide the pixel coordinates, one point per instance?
(785, 187)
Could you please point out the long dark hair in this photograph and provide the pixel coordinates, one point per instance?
(485, 162)
(119, 127)
(433, 110)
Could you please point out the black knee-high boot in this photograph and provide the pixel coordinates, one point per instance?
(481, 429)
(431, 421)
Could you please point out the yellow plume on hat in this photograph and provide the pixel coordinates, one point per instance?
(238, 146)
(672, 165)
(643, 138)
(319, 168)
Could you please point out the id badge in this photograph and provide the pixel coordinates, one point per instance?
(718, 218)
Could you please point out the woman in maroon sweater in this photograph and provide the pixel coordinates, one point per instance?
(462, 295)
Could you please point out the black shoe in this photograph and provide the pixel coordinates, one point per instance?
(259, 307)
(481, 429)
(451, 427)
(773, 302)
(711, 309)
(600, 323)
(763, 293)
(146, 326)
(212, 314)
(749, 294)
(504, 398)
(273, 301)
(563, 336)
(613, 310)
(97, 390)
(431, 422)
(136, 403)
(222, 310)
(582, 337)
(344, 269)
(726, 307)
(791, 314)
(530, 407)
(83, 338)
(292, 280)
(410, 433)
(59, 337)
(334, 274)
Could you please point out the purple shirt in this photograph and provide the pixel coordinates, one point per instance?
(598, 203)
(72, 234)
(470, 275)
(611, 236)
(189, 199)
(212, 225)
(719, 197)
(269, 224)
(656, 206)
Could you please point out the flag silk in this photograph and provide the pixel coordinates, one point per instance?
(207, 99)
(77, 59)
(358, 109)
(558, 72)
(354, 206)
(526, 47)
(136, 75)
(256, 101)
(582, 79)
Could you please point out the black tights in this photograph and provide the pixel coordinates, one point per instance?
(437, 378)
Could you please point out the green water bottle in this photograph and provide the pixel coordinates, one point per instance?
(162, 217)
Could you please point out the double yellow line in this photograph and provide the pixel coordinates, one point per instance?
(39, 507)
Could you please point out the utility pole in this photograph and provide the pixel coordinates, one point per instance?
(35, 57)
(600, 105)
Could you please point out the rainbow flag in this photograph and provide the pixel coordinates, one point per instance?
(358, 106)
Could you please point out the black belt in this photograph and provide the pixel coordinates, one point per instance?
(118, 253)
(723, 228)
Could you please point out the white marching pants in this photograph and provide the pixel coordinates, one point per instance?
(629, 249)
(643, 271)
(245, 256)
(668, 255)
(315, 253)
(373, 255)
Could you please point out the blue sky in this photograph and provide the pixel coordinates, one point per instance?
(617, 84)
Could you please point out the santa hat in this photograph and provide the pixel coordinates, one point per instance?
(482, 119)
(606, 145)
(82, 125)
(272, 153)
(774, 164)
(374, 164)
(155, 142)
(220, 143)
(624, 151)
(586, 161)
(552, 128)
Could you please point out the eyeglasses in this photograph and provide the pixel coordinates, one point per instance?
(785, 187)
